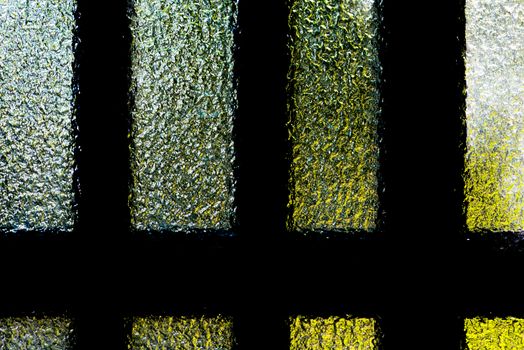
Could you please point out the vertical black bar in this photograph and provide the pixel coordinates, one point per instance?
(423, 169)
(262, 187)
(261, 130)
(103, 118)
(103, 170)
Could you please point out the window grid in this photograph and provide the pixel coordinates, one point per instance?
(421, 275)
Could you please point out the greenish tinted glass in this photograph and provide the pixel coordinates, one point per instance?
(37, 136)
(333, 333)
(334, 110)
(32, 333)
(182, 333)
(494, 179)
(184, 102)
(494, 334)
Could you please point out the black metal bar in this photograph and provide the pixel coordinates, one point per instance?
(261, 133)
(103, 171)
(422, 174)
(261, 143)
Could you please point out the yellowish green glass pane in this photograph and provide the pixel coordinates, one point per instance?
(334, 115)
(182, 333)
(494, 60)
(32, 333)
(37, 136)
(184, 102)
(494, 334)
(333, 333)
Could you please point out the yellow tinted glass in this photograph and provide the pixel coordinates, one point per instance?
(494, 334)
(333, 333)
(495, 115)
(334, 114)
(181, 333)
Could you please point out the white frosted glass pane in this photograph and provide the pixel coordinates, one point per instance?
(36, 114)
(35, 333)
(495, 115)
(182, 118)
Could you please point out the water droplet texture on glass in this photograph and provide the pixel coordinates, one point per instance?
(333, 333)
(334, 109)
(37, 136)
(32, 333)
(494, 334)
(184, 102)
(494, 58)
(182, 333)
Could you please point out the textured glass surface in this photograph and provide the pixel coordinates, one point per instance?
(36, 115)
(184, 104)
(333, 333)
(334, 112)
(182, 333)
(31, 333)
(495, 115)
(494, 334)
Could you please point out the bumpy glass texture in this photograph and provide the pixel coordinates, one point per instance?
(36, 115)
(182, 333)
(494, 60)
(333, 333)
(31, 333)
(494, 334)
(334, 110)
(182, 119)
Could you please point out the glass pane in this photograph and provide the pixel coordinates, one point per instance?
(334, 114)
(36, 115)
(184, 104)
(31, 333)
(181, 333)
(495, 115)
(333, 333)
(494, 334)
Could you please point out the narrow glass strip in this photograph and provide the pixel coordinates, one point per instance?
(494, 334)
(182, 333)
(494, 179)
(37, 137)
(334, 109)
(333, 333)
(182, 115)
(32, 333)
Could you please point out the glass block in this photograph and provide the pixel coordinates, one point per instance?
(182, 333)
(494, 334)
(32, 333)
(37, 134)
(333, 333)
(334, 109)
(184, 103)
(494, 59)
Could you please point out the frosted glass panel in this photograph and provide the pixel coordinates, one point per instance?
(333, 333)
(495, 115)
(334, 115)
(182, 119)
(36, 115)
(494, 334)
(32, 333)
(181, 333)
